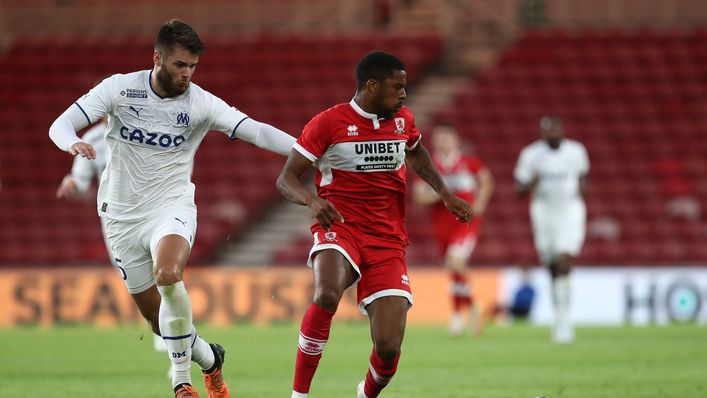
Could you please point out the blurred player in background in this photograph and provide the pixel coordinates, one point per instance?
(467, 177)
(520, 306)
(554, 170)
(79, 181)
(360, 149)
(156, 121)
(84, 169)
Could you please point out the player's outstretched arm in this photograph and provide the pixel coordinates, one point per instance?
(419, 159)
(291, 187)
(63, 133)
(265, 136)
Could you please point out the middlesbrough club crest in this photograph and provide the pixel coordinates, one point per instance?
(330, 236)
(399, 125)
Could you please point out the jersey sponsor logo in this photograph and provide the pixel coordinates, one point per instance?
(137, 111)
(399, 125)
(134, 93)
(154, 139)
(182, 119)
(352, 131)
(379, 155)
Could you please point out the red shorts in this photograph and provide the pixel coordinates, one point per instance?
(381, 269)
(455, 238)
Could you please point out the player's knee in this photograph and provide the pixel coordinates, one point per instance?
(388, 348)
(166, 275)
(327, 298)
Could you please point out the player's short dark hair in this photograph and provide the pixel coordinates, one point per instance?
(378, 66)
(175, 32)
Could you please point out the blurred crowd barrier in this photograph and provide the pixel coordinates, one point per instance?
(226, 296)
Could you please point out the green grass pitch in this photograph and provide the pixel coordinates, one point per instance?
(513, 362)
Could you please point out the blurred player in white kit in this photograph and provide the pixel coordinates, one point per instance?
(156, 121)
(554, 170)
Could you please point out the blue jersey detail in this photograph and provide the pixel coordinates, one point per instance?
(84, 112)
(233, 134)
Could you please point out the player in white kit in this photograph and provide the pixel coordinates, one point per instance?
(79, 181)
(555, 170)
(156, 121)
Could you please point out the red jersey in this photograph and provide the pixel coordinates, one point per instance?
(361, 166)
(460, 174)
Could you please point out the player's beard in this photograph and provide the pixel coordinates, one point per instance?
(170, 88)
(553, 143)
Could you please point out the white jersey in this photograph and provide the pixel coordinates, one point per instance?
(559, 171)
(83, 169)
(151, 142)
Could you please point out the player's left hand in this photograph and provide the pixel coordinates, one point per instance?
(459, 207)
(83, 149)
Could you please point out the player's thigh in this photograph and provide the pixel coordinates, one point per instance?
(130, 254)
(333, 271)
(171, 238)
(388, 316)
(335, 258)
(544, 231)
(572, 231)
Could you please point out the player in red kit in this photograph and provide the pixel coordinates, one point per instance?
(467, 177)
(360, 149)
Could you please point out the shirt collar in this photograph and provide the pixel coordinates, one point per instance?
(373, 117)
(361, 112)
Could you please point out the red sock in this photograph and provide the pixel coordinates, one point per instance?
(313, 335)
(461, 297)
(379, 374)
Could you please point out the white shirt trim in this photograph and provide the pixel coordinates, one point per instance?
(362, 113)
(304, 152)
(384, 293)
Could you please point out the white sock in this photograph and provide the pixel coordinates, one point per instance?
(296, 394)
(561, 293)
(158, 343)
(201, 352)
(175, 326)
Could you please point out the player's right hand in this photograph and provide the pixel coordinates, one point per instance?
(67, 188)
(324, 212)
(83, 149)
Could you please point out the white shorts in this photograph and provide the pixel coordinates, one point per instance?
(558, 229)
(132, 245)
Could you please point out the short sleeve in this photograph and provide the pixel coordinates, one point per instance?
(524, 172)
(315, 138)
(99, 101)
(223, 117)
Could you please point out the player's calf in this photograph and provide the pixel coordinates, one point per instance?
(382, 368)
